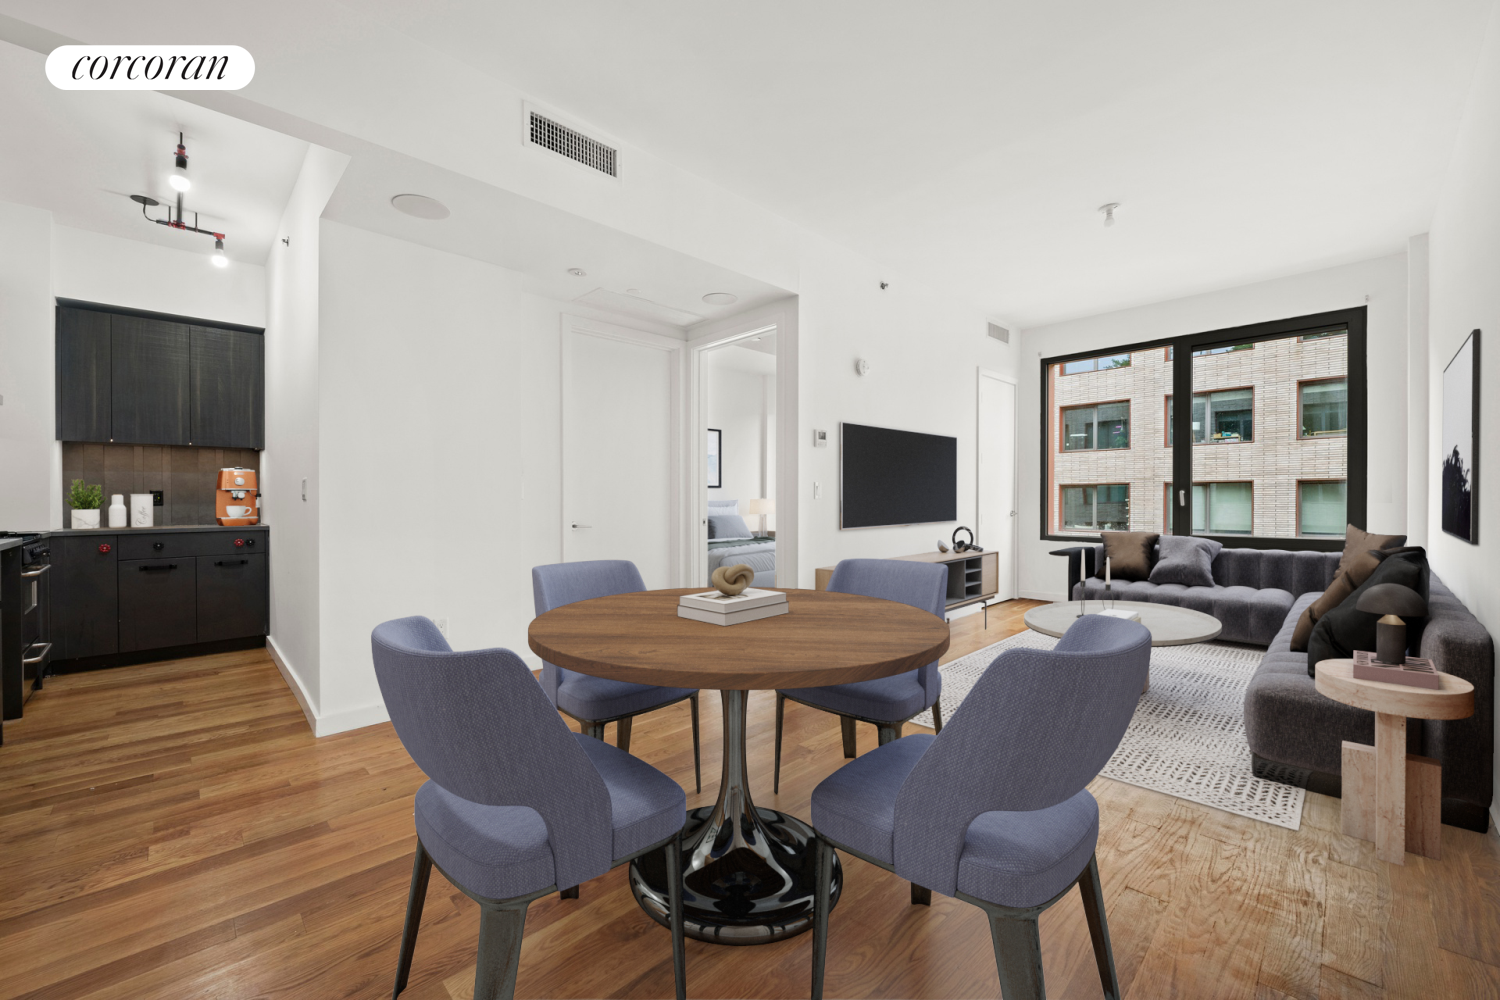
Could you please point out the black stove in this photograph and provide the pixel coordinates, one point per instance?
(25, 653)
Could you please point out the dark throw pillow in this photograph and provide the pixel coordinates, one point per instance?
(1129, 554)
(1337, 593)
(1186, 560)
(727, 526)
(1346, 628)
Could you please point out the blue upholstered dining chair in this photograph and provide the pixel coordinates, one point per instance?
(888, 702)
(517, 805)
(594, 701)
(995, 810)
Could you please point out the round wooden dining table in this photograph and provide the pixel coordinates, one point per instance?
(748, 870)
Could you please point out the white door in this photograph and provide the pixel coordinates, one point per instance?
(617, 463)
(997, 476)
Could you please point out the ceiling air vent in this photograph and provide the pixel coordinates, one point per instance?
(576, 146)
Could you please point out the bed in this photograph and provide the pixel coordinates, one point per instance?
(738, 546)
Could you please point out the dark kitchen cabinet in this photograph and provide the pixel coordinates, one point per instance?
(227, 387)
(149, 381)
(83, 375)
(232, 597)
(85, 596)
(158, 603)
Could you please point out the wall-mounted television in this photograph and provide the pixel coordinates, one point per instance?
(896, 477)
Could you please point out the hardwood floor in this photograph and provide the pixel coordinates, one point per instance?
(174, 830)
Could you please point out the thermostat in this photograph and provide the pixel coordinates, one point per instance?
(820, 439)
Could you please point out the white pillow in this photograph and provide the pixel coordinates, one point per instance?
(723, 506)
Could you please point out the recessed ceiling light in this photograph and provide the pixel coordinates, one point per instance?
(578, 272)
(721, 298)
(420, 206)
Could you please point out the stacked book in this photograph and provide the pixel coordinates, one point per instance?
(1417, 671)
(722, 609)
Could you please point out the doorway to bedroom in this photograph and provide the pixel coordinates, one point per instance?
(737, 406)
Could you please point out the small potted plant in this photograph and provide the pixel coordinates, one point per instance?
(85, 501)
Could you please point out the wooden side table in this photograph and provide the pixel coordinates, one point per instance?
(1390, 796)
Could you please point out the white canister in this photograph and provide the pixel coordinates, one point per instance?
(141, 510)
(117, 510)
(86, 518)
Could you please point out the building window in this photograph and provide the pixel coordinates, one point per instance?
(1216, 350)
(1322, 334)
(1218, 508)
(1105, 362)
(1323, 408)
(1097, 427)
(1096, 508)
(1322, 508)
(1224, 417)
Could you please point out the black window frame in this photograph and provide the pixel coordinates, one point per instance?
(1355, 323)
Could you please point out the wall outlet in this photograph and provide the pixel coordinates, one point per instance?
(157, 499)
(442, 626)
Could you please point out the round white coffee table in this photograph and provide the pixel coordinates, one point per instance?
(1168, 625)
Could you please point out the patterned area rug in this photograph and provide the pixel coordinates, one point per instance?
(1188, 735)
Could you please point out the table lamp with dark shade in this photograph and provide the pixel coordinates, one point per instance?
(1392, 601)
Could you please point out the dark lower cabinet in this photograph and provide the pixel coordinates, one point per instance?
(158, 603)
(232, 597)
(85, 596)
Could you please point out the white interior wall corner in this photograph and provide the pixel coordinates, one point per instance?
(28, 416)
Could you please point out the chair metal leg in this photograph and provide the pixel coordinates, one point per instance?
(568, 893)
(1093, 909)
(697, 763)
(622, 733)
(500, 931)
(674, 905)
(847, 724)
(937, 716)
(1018, 956)
(421, 871)
(888, 731)
(920, 896)
(780, 715)
(822, 890)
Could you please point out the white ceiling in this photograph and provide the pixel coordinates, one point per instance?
(80, 154)
(971, 143)
(745, 356)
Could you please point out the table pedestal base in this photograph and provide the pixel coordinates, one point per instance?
(747, 872)
(1416, 826)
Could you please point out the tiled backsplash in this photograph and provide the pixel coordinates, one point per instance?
(186, 476)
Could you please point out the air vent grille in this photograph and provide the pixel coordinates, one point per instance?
(574, 145)
(1000, 333)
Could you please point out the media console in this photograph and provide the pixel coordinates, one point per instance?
(973, 577)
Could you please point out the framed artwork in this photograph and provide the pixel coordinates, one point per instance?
(715, 464)
(1461, 442)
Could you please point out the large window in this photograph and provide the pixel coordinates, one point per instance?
(1218, 508)
(1289, 395)
(1225, 417)
(1322, 508)
(1323, 407)
(1101, 426)
(1096, 508)
(1102, 363)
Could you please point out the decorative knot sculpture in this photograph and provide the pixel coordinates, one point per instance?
(731, 580)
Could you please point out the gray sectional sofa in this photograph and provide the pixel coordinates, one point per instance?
(1296, 734)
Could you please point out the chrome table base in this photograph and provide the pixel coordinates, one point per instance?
(748, 872)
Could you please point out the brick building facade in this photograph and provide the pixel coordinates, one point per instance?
(1278, 449)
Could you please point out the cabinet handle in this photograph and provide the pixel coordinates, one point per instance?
(230, 562)
(147, 569)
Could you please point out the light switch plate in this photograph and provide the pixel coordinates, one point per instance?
(817, 491)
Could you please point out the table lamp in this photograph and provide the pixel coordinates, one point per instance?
(1391, 600)
(762, 507)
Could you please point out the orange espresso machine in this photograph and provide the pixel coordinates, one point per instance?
(238, 499)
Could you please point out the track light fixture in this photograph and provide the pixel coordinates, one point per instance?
(179, 181)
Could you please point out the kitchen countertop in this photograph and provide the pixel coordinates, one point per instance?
(164, 527)
(9, 543)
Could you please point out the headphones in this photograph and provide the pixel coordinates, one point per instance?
(968, 546)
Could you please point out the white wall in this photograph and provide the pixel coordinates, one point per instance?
(292, 402)
(97, 268)
(30, 459)
(736, 405)
(1383, 280)
(924, 350)
(439, 445)
(1465, 295)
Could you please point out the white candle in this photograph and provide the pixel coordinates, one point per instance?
(1106, 572)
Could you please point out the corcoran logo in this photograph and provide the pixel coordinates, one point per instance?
(150, 67)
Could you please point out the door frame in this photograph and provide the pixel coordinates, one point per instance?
(779, 318)
(676, 360)
(1015, 475)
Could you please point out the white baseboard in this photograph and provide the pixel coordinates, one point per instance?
(330, 723)
(1495, 817)
(1041, 595)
